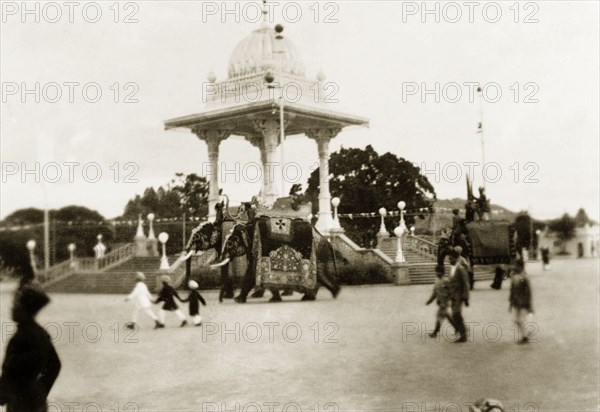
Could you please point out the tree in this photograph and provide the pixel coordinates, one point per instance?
(581, 218)
(77, 214)
(366, 181)
(149, 202)
(25, 217)
(564, 227)
(524, 229)
(193, 190)
(187, 193)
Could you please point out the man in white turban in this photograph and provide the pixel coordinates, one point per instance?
(141, 297)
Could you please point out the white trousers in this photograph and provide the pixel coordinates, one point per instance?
(147, 311)
(178, 312)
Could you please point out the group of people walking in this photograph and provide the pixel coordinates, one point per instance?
(451, 291)
(143, 302)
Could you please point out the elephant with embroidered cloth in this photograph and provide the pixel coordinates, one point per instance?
(285, 250)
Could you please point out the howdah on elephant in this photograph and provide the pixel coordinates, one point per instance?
(274, 252)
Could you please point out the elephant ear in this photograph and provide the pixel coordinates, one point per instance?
(236, 245)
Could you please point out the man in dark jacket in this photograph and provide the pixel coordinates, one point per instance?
(459, 290)
(520, 298)
(31, 364)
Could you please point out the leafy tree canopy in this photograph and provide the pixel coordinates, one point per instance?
(366, 181)
(185, 193)
(564, 227)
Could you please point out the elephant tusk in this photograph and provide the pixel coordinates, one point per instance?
(223, 263)
(190, 253)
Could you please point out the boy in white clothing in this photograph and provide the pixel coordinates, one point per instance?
(141, 297)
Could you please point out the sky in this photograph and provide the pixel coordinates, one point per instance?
(537, 61)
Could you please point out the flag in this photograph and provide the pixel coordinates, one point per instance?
(469, 189)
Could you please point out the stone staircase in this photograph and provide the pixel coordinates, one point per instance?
(119, 279)
(420, 254)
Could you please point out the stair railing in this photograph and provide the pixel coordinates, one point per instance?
(426, 249)
(61, 269)
(114, 258)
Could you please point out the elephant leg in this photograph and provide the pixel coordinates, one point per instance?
(324, 279)
(248, 282)
(226, 282)
(309, 297)
(259, 292)
(287, 292)
(276, 296)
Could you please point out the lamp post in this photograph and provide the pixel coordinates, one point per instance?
(335, 202)
(399, 231)
(31, 247)
(183, 204)
(401, 206)
(538, 232)
(99, 249)
(412, 230)
(71, 248)
(164, 261)
(382, 229)
(279, 37)
(151, 231)
(269, 80)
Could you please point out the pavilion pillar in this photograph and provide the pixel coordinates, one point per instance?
(257, 141)
(213, 138)
(322, 137)
(269, 129)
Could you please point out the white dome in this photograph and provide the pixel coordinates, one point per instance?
(261, 51)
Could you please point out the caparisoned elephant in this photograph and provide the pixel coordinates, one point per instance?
(275, 253)
(285, 254)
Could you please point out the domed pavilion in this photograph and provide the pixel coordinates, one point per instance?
(266, 88)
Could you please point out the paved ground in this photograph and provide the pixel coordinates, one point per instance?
(364, 351)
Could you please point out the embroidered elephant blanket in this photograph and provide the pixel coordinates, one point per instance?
(286, 253)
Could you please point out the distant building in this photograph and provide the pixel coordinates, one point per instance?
(584, 243)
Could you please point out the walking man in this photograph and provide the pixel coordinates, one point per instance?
(520, 299)
(459, 292)
(141, 297)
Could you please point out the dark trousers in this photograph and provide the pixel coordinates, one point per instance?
(498, 278)
(459, 322)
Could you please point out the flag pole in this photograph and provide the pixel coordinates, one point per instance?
(480, 92)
